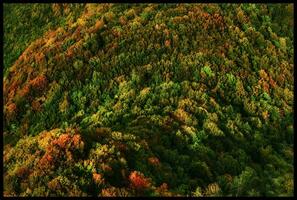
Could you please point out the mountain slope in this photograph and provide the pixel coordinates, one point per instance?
(150, 100)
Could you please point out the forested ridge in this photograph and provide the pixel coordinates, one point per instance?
(148, 100)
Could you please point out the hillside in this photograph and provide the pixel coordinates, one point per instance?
(148, 100)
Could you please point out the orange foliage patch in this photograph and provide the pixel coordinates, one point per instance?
(49, 158)
(266, 80)
(13, 86)
(39, 82)
(76, 140)
(138, 180)
(154, 161)
(61, 147)
(25, 91)
(99, 24)
(62, 141)
(11, 108)
(45, 161)
(163, 190)
(70, 52)
(11, 89)
(265, 87)
(108, 192)
(122, 20)
(167, 43)
(272, 82)
(97, 178)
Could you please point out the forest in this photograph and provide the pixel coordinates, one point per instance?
(148, 100)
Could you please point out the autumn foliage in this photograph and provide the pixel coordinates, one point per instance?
(138, 180)
(148, 100)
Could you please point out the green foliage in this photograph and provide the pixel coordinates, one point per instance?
(242, 183)
(231, 79)
(207, 70)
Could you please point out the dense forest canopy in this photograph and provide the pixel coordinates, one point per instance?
(148, 99)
